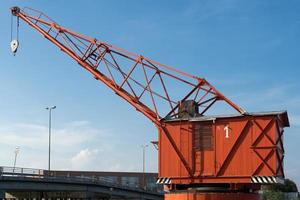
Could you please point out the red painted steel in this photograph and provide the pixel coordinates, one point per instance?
(192, 151)
(212, 196)
(253, 147)
(145, 84)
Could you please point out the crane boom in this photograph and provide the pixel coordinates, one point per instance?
(154, 89)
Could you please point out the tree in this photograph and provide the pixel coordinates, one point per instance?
(287, 186)
(272, 195)
(276, 191)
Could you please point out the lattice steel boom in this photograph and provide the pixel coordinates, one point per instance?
(154, 89)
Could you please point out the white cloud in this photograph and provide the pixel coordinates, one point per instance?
(32, 135)
(26, 134)
(75, 146)
(279, 97)
(33, 142)
(84, 158)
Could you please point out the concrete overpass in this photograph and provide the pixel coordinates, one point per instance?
(38, 186)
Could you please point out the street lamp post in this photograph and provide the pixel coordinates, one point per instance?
(17, 150)
(144, 149)
(50, 111)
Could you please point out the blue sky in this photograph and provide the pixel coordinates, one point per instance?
(249, 50)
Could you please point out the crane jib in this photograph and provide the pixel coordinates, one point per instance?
(144, 83)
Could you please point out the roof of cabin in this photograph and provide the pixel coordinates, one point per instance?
(281, 114)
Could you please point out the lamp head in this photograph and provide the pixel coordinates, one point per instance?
(50, 108)
(17, 150)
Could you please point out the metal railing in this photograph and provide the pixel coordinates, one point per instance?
(52, 176)
(17, 171)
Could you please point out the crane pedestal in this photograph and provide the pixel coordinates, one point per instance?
(212, 196)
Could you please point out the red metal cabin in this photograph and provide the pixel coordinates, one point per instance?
(224, 149)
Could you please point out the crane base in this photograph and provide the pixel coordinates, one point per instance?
(212, 196)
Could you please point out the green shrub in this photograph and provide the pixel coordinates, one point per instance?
(288, 186)
(273, 195)
(276, 191)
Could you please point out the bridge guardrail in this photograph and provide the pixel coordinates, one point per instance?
(44, 174)
(21, 171)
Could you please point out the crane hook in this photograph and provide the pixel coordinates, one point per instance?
(14, 44)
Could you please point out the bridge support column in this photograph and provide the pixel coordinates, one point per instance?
(90, 195)
(2, 194)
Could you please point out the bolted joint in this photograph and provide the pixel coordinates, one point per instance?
(57, 27)
(107, 49)
(54, 25)
(201, 80)
(140, 58)
(15, 10)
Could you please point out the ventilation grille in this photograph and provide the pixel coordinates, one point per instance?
(203, 137)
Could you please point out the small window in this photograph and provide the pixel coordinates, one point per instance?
(203, 137)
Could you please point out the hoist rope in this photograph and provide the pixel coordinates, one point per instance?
(18, 24)
(12, 28)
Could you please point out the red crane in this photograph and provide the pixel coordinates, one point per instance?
(173, 100)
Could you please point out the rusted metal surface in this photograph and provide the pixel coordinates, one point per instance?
(224, 149)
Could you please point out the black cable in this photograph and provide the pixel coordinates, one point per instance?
(11, 27)
(18, 24)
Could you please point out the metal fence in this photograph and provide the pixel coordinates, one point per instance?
(17, 171)
(45, 174)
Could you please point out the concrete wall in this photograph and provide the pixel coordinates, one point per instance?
(60, 195)
(2, 194)
(46, 195)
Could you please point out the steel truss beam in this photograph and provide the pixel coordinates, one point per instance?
(154, 89)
